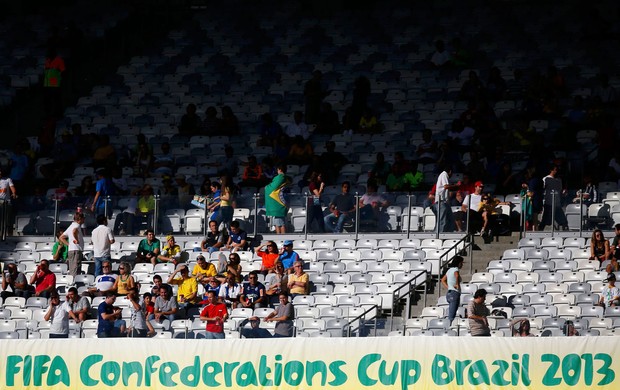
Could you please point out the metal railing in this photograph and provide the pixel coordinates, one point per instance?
(411, 287)
(348, 328)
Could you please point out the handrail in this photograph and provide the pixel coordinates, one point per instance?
(446, 254)
(348, 328)
(396, 297)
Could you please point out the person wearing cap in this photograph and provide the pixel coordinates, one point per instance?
(610, 296)
(288, 256)
(187, 293)
(471, 205)
(58, 314)
(171, 253)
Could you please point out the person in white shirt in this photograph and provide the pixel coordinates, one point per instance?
(102, 238)
(610, 296)
(472, 203)
(58, 313)
(442, 192)
(73, 238)
(298, 127)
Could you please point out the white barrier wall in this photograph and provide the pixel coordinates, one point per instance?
(307, 363)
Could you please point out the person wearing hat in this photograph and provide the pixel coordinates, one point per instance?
(471, 204)
(171, 253)
(288, 256)
(610, 296)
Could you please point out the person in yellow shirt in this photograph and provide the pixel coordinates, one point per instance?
(298, 280)
(203, 268)
(171, 253)
(187, 293)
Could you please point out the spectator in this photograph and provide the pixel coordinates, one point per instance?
(227, 201)
(553, 191)
(270, 131)
(14, 283)
(441, 56)
(237, 238)
(171, 253)
(229, 123)
(105, 154)
(255, 331)
(599, 247)
(103, 188)
(203, 269)
(215, 314)
(283, 316)
(214, 206)
(451, 280)
(314, 209)
(331, 162)
(276, 202)
(521, 328)
(53, 69)
(589, 195)
(105, 282)
(44, 280)
(300, 152)
(275, 283)
(342, 209)
(211, 124)
(314, 92)
(477, 313)
(328, 122)
(148, 248)
(253, 294)
(215, 238)
(58, 314)
(253, 174)
(185, 190)
(125, 282)
(269, 256)
(138, 324)
(81, 305)
(146, 205)
(166, 306)
(102, 238)
(148, 304)
(190, 121)
(187, 293)
(230, 166)
(380, 169)
(230, 292)
(73, 238)
(371, 202)
(163, 162)
(427, 150)
(233, 268)
(288, 256)
(478, 219)
(59, 250)
(368, 122)
(298, 127)
(109, 316)
(443, 186)
(125, 221)
(610, 296)
(298, 281)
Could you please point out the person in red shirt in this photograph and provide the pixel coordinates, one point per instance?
(215, 314)
(44, 280)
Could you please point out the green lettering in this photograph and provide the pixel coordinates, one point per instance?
(263, 371)
(246, 375)
(209, 371)
(12, 369)
(27, 370)
(610, 375)
(110, 373)
(498, 376)
(339, 376)
(166, 371)
(571, 369)
(294, 372)
(441, 372)
(149, 369)
(525, 370)
(190, 375)
(228, 371)
(459, 368)
(85, 366)
(549, 379)
(40, 368)
(130, 368)
(588, 374)
(406, 377)
(314, 368)
(362, 369)
(385, 377)
(277, 373)
(478, 373)
(59, 373)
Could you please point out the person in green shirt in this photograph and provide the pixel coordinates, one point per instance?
(148, 249)
(59, 250)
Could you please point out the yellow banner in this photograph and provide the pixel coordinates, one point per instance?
(307, 363)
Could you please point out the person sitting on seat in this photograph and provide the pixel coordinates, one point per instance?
(148, 249)
(171, 252)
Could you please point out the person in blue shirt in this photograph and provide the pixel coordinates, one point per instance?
(288, 256)
(253, 292)
(104, 187)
